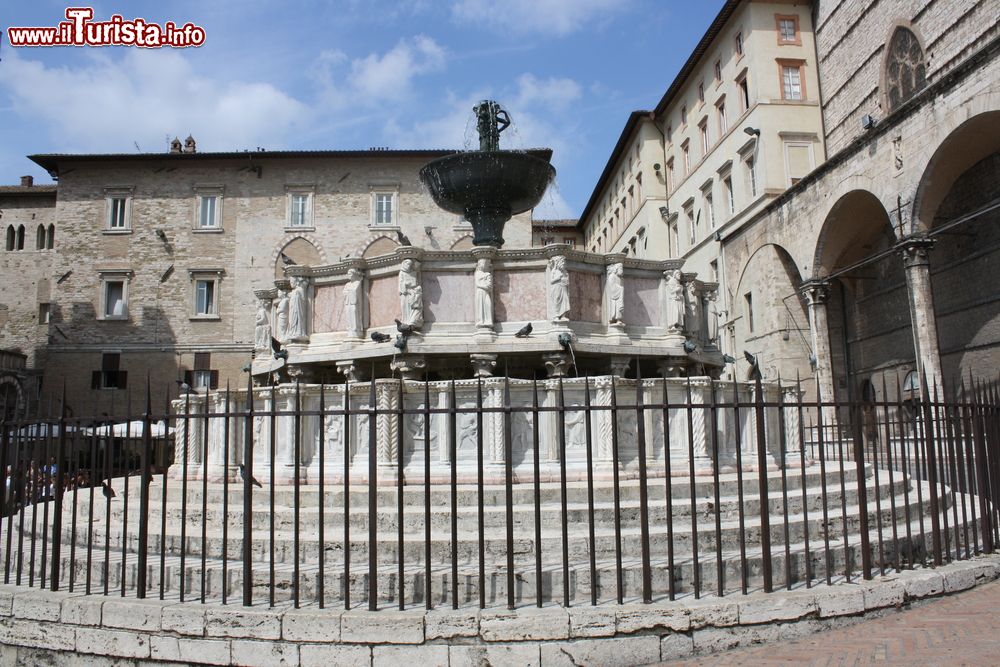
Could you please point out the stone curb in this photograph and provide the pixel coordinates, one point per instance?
(154, 631)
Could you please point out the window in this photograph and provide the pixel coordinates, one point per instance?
(744, 93)
(205, 286)
(202, 376)
(685, 150)
(739, 44)
(669, 133)
(110, 376)
(570, 241)
(710, 210)
(703, 133)
(748, 308)
(208, 211)
(905, 68)
(670, 175)
(718, 71)
(384, 208)
(118, 205)
(20, 237)
(40, 238)
(798, 160)
(791, 80)
(114, 295)
(713, 270)
(11, 238)
(720, 114)
(692, 224)
(751, 171)
(299, 211)
(788, 29)
(684, 114)
(50, 237)
(727, 185)
(701, 92)
(672, 239)
(44, 313)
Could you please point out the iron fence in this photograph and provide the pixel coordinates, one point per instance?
(573, 492)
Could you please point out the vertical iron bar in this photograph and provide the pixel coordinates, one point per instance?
(535, 430)
(740, 509)
(765, 506)
(296, 493)
(843, 488)
(720, 570)
(46, 476)
(272, 456)
(508, 455)
(783, 463)
(563, 497)
(804, 482)
(453, 460)
(347, 493)
(225, 499)
(968, 454)
(321, 501)
(480, 518)
(57, 491)
(907, 474)
(820, 405)
(163, 491)
(615, 458)
(640, 412)
(75, 447)
(428, 602)
(668, 493)
(400, 460)
(184, 486)
(859, 463)
(953, 473)
(109, 451)
(204, 497)
(889, 464)
(10, 482)
(372, 497)
(591, 529)
(248, 445)
(940, 461)
(145, 469)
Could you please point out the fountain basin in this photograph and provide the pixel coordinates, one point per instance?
(487, 188)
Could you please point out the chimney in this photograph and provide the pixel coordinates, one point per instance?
(175, 145)
(189, 145)
(27, 181)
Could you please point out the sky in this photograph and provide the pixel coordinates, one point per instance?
(350, 74)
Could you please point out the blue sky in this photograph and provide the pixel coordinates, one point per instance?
(314, 74)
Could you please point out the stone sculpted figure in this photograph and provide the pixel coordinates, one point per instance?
(712, 316)
(411, 294)
(491, 120)
(262, 327)
(675, 302)
(352, 304)
(297, 308)
(281, 317)
(693, 320)
(484, 293)
(615, 290)
(558, 288)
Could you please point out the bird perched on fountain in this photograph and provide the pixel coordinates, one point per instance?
(286, 260)
(247, 477)
(108, 492)
(402, 238)
(524, 331)
(276, 349)
(405, 329)
(183, 386)
(380, 337)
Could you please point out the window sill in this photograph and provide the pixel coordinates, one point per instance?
(205, 318)
(299, 229)
(123, 318)
(384, 228)
(116, 232)
(208, 230)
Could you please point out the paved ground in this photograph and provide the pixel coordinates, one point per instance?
(957, 630)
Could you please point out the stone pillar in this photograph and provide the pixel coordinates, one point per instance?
(749, 450)
(483, 364)
(672, 367)
(409, 366)
(619, 365)
(386, 430)
(817, 292)
(791, 396)
(350, 370)
(918, 286)
(188, 438)
(700, 418)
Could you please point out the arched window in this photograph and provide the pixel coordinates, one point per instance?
(20, 237)
(905, 68)
(40, 238)
(11, 242)
(50, 240)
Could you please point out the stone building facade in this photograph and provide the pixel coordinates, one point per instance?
(157, 256)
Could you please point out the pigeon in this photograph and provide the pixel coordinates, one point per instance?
(286, 260)
(380, 337)
(183, 386)
(276, 348)
(405, 329)
(403, 238)
(108, 492)
(524, 331)
(752, 360)
(247, 477)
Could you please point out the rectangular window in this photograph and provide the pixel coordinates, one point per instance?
(118, 212)
(109, 376)
(718, 71)
(727, 185)
(692, 225)
(202, 376)
(570, 241)
(713, 270)
(720, 113)
(788, 29)
(670, 175)
(299, 210)
(114, 299)
(685, 150)
(701, 92)
(208, 211)
(684, 114)
(44, 313)
(744, 94)
(791, 82)
(703, 133)
(748, 307)
(710, 210)
(751, 170)
(383, 209)
(672, 240)
(739, 44)
(204, 297)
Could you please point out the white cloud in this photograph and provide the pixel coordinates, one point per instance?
(105, 104)
(555, 17)
(554, 93)
(388, 76)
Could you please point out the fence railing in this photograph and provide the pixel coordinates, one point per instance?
(496, 492)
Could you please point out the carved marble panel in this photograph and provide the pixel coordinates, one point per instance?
(328, 309)
(448, 296)
(642, 301)
(520, 296)
(585, 290)
(383, 301)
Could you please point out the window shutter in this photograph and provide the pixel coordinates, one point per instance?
(213, 382)
(189, 378)
(95, 380)
(122, 379)
(202, 361)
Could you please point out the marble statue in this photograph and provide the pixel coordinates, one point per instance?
(411, 294)
(281, 316)
(675, 302)
(262, 327)
(712, 316)
(352, 304)
(297, 304)
(558, 288)
(484, 293)
(615, 290)
(692, 322)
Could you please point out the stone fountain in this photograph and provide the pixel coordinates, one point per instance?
(490, 185)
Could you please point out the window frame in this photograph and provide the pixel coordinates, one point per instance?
(703, 135)
(202, 194)
(739, 45)
(796, 40)
(796, 64)
(107, 277)
(308, 221)
(743, 88)
(110, 375)
(748, 311)
(213, 276)
(393, 194)
(721, 120)
(110, 196)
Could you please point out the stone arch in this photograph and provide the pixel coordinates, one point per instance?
(381, 244)
(20, 237)
(12, 399)
(303, 249)
(463, 243)
(50, 237)
(854, 220)
(904, 67)
(11, 238)
(40, 238)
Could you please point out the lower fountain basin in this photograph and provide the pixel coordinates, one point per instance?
(487, 188)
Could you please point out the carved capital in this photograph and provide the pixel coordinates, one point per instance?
(816, 291)
(483, 364)
(556, 364)
(915, 250)
(409, 366)
(350, 370)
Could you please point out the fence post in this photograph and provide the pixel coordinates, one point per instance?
(140, 573)
(58, 494)
(859, 461)
(247, 477)
(765, 508)
(932, 481)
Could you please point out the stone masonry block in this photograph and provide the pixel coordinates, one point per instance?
(713, 640)
(448, 624)
(250, 653)
(118, 643)
(625, 651)
(334, 655)
(311, 625)
(524, 624)
(239, 622)
(635, 618)
(922, 583)
(82, 610)
(839, 600)
(958, 578)
(6, 601)
(430, 655)
(592, 622)
(181, 649)
(132, 614)
(676, 645)
(184, 619)
(33, 634)
(372, 627)
(882, 593)
(712, 613)
(37, 605)
(987, 569)
(522, 655)
(767, 608)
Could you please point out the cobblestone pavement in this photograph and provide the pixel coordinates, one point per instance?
(959, 630)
